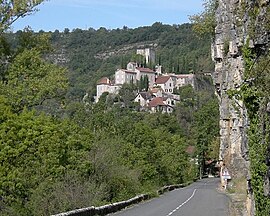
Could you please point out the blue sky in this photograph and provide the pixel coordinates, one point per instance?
(111, 14)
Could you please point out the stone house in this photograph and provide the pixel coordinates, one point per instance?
(125, 76)
(156, 101)
(105, 85)
(142, 72)
(169, 101)
(133, 73)
(180, 80)
(184, 79)
(143, 98)
(166, 83)
(157, 92)
(159, 104)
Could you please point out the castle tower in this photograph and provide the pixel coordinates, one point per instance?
(148, 53)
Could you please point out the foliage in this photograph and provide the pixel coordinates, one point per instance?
(205, 23)
(256, 98)
(143, 84)
(198, 116)
(30, 80)
(12, 10)
(255, 94)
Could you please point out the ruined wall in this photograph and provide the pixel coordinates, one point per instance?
(231, 33)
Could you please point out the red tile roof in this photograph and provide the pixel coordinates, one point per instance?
(158, 101)
(103, 81)
(145, 70)
(162, 79)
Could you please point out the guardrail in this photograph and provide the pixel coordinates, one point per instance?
(114, 207)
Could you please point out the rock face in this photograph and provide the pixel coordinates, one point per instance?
(231, 33)
(229, 70)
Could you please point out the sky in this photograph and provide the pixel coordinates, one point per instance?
(111, 14)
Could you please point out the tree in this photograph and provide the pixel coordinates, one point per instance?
(127, 94)
(30, 80)
(146, 83)
(205, 23)
(185, 109)
(27, 80)
(27, 39)
(5, 53)
(10, 11)
(206, 124)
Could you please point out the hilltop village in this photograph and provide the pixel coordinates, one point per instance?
(158, 92)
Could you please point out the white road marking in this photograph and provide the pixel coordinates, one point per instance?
(183, 203)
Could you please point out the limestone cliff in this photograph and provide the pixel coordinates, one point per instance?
(233, 30)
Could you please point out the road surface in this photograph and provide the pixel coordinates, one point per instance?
(198, 199)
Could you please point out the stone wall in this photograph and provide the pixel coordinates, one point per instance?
(114, 207)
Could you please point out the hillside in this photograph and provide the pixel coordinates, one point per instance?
(91, 54)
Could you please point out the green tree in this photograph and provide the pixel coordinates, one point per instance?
(127, 94)
(30, 80)
(205, 23)
(206, 124)
(27, 40)
(12, 10)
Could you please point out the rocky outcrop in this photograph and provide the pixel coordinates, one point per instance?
(231, 33)
(229, 69)
(124, 50)
(59, 56)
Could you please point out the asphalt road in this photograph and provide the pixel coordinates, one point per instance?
(199, 199)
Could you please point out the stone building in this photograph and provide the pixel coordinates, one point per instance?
(148, 53)
(166, 83)
(184, 79)
(105, 85)
(132, 74)
(125, 76)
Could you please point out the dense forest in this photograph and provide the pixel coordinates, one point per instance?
(58, 153)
